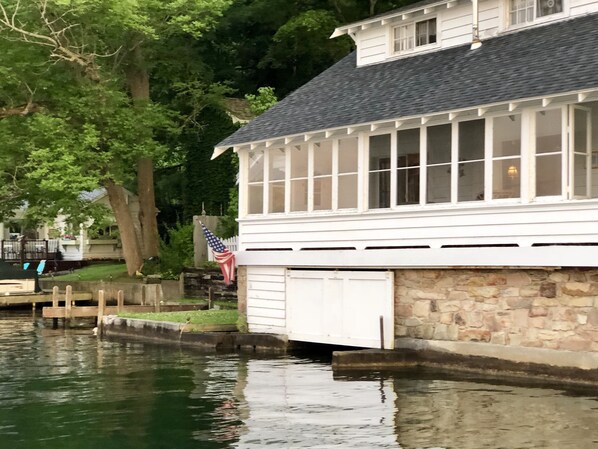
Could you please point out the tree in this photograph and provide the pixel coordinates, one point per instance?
(109, 43)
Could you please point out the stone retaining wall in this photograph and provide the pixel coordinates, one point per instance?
(198, 281)
(555, 309)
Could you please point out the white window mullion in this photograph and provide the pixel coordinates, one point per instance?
(423, 163)
(266, 191)
(568, 154)
(488, 160)
(335, 156)
(287, 180)
(310, 177)
(393, 169)
(243, 182)
(528, 156)
(363, 172)
(454, 161)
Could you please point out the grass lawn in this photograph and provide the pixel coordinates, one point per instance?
(98, 272)
(223, 304)
(193, 316)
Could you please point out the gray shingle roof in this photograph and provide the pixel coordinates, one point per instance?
(547, 60)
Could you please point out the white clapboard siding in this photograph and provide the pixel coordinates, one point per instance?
(514, 224)
(580, 7)
(266, 299)
(372, 45)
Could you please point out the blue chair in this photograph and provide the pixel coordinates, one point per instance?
(25, 265)
(40, 267)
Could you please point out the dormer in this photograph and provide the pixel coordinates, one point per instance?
(429, 26)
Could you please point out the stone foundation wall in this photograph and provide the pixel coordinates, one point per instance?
(198, 281)
(555, 309)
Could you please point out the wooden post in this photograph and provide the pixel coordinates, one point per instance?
(55, 304)
(120, 301)
(381, 332)
(210, 297)
(101, 310)
(68, 304)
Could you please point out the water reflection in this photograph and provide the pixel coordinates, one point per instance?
(66, 389)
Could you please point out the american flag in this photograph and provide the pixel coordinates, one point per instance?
(224, 257)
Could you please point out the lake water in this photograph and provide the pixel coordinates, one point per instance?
(66, 389)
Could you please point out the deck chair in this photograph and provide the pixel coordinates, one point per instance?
(25, 265)
(40, 267)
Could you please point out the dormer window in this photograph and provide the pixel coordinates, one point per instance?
(413, 35)
(526, 11)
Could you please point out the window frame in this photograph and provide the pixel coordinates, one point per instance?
(506, 5)
(416, 48)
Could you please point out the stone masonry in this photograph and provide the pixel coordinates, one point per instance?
(555, 309)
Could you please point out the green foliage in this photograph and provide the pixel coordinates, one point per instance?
(264, 100)
(176, 251)
(192, 317)
(98, 272)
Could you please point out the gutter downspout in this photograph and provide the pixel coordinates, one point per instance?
(475, 38)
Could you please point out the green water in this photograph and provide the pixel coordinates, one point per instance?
(67, 389)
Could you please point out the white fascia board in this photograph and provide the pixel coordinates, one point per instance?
(508, 106)
(352, 27)
(522, 257)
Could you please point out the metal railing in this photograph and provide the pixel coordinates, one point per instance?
(25, 250)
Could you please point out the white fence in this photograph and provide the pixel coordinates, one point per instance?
(232, 244)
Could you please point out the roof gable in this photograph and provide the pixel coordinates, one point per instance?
(545, 60)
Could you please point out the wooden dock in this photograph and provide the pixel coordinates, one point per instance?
(38, 298)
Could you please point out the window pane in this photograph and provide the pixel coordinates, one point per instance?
(506, 140)
(581, 130)
(323, 193)
(299, 161)
(439, 144)
(347, 155)
(408, 148)
(439, 184)
(507, 180)
(347, 192)
(276, 196)
(547, 7)
(548, 175)
(323, 158)
(299, 195)
(408, 186)
(581, 173)
(379, 190)
(379, 157)
(277, 164)
(256, 199)
(471, 140)
(471, 181)
(548, 131)
(256, 166)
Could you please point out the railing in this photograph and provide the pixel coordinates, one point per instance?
(232, 244)
(28, 250)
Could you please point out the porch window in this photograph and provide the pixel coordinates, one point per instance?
(408, 166)
(299, 158)
(277, 170)
(347, 173)
(255, 189)
(526, 11)
(379, 170)
(549, 153)
(506, 157)
(439, 164)
(470, 186)
(323, 175)
(418, 34)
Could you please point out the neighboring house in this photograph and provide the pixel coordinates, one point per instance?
(85, 243)
(447, 188)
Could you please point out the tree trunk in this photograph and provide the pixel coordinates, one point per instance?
(124, 221)
(138, 81)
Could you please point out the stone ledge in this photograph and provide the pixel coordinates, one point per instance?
(547, 365)
(174, 334)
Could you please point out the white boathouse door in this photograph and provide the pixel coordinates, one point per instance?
(341, 307)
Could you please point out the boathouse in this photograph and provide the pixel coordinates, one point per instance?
(441, 180)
